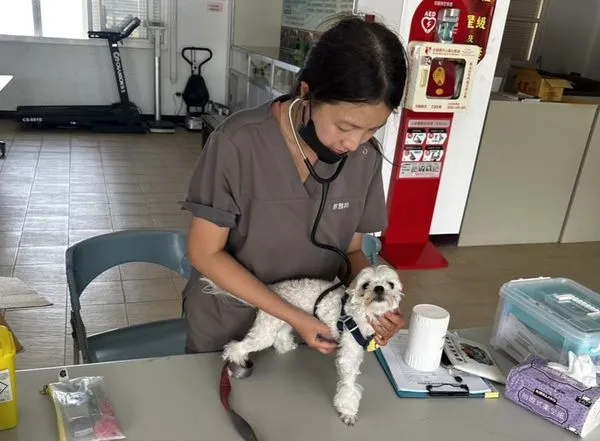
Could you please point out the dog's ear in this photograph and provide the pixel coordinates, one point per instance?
(351, 289)
(358, 281)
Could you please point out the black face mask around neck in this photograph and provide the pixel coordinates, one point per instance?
(309, 134)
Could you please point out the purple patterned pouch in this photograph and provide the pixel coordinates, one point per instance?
(554, 396)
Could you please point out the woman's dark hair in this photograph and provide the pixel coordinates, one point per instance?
(356, 61)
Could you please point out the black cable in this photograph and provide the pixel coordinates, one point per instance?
(324, 191)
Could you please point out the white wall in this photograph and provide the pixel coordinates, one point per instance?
(467, 127)
(63, 74)
(258, 22)
(580, 52)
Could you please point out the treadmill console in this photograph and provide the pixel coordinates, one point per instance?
(123, 31)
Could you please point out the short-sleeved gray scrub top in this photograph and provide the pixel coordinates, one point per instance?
(246, 180)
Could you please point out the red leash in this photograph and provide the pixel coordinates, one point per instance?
(240, 424)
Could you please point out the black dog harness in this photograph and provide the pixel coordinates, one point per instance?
(346, 321)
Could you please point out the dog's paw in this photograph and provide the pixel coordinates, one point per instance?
(233, 352)
(349, 420)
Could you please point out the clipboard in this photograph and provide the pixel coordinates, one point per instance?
(408, 383)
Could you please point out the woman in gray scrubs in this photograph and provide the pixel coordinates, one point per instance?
(254, 201)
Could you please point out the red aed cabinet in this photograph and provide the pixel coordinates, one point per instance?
(447, 39)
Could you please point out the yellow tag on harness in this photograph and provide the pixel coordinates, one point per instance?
(373, 346)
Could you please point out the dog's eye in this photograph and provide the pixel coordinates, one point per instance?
(365, 286)
(391, 285)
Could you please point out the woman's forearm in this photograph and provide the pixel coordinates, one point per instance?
(358, 262)
(223, 270)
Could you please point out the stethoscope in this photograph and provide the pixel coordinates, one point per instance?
(325, 182)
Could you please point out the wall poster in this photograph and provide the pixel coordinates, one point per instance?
(310, 14)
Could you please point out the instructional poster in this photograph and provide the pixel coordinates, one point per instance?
(424, 145)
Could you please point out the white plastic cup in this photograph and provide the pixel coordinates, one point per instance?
(426, 336)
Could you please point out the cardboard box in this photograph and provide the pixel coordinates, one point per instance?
(529, 81)
(15, 294)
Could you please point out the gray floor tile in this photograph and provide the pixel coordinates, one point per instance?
(11, 223)
(132, 188)
(95, 187)
(165, 198)
(84, 209)
(53, 188)
(49, 198)
(121, 179)
(110, 275)
(103, 293)
(134, 198)
(139, 271)
(124, 208)
(38, 210)
(46, 274)
(125, 222)
(88, 198)
(8, 256)
(46, 223)
(149, 290)
(44, 239)
(79, 235)
(41, 255)
(90, 222)
(55, 293)
(16, 210)
(101, 318)
(10, 239)
(165, 208)
(116, 170)
(138, 313)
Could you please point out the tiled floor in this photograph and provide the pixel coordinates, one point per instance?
(56, 189)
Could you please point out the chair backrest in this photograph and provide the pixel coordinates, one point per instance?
(89, 258)
(371, 247)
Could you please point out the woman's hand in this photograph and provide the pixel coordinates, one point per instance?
(387, 326)
(315, 333)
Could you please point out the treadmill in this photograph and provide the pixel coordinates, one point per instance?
(121, 117)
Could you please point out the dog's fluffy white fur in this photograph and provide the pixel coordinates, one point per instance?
(374, 291)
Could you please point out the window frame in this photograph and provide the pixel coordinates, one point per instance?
(141, 43)
(533, 49)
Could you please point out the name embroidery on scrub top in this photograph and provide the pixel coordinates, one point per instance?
(341, 205)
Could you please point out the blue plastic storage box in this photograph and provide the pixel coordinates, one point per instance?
(547, 317)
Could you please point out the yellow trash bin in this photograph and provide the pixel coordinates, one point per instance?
(8, 381)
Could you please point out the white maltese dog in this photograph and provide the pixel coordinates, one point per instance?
(375, 291)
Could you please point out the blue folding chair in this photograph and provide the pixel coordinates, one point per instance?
(371, 246)
(89, 258)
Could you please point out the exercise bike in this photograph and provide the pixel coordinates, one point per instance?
(121, 117)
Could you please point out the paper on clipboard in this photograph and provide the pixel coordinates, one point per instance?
(412, 381)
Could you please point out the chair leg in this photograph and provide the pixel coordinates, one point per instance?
(75, 352)
(2, 150)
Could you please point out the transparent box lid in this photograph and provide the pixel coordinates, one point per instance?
(567, 304)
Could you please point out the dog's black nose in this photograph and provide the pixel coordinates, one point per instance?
(378, 290)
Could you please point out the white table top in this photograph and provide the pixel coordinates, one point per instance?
(4, 80)
(288, 397)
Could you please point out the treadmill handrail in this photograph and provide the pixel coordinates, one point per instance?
(129, 27)
(124, 31)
